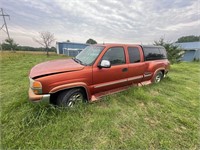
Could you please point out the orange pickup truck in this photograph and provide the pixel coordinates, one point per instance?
(97, 71)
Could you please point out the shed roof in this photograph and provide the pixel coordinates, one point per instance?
(189, 45)
(72, 43)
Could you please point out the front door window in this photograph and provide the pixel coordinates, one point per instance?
(115, 55)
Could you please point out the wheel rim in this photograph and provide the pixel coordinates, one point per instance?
(75, 98)
(158, 78)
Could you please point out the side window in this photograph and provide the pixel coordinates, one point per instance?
(115, 55)
(163, 53)
(134, 54)
(152, 53)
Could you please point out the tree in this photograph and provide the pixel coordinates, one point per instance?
(53, 49)
(190, 38)
(9, 44)
(45, 39)
(174, 53)
(91, 41)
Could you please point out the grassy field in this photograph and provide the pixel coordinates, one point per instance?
(161, 116)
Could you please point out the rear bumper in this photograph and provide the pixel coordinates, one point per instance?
(38, 98)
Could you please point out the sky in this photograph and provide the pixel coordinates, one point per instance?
(106, 21)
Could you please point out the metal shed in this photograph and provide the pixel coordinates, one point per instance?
(70, 48)
(191, 50)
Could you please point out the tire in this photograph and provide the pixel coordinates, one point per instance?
(70, 97)
(158, 77)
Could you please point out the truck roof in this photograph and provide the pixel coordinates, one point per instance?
(117, 44)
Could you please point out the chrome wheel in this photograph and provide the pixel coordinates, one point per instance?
(75, 98)
(69, 98)
(158, 77)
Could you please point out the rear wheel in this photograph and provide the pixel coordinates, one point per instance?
(158, 77)
(71, 97)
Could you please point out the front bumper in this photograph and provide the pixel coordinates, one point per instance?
(38, 98)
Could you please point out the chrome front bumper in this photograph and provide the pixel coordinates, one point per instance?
(38, 98)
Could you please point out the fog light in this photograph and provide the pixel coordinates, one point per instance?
(36, 91)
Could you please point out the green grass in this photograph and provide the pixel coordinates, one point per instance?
(161, 116)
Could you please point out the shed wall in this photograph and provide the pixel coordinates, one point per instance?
(188, 55)
(71, 49)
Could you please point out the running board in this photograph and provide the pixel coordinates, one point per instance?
(113, 91)
(99, 95)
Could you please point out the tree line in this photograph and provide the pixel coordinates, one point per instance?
(7, 47)
(45, 39)
(190, 38)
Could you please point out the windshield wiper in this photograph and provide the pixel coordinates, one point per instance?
(78, 61)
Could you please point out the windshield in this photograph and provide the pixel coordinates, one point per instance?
(89, 54)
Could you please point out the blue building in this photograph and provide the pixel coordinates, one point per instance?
(70, 48)
(191, 50)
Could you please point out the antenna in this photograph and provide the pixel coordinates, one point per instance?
(4, 24)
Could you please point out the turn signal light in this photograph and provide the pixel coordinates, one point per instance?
(37, 84)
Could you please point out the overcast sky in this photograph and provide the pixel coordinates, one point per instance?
(109, 21)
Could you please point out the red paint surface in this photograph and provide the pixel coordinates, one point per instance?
(55, 66)
(92, 78)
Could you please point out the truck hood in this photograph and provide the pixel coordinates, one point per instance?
(53, 67)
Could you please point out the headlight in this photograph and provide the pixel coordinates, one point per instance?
(36, 86)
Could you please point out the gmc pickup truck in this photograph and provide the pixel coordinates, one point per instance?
(97, 71)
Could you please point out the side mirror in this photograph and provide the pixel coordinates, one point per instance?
(105, 64)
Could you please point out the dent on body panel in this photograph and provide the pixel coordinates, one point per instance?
(52, 81)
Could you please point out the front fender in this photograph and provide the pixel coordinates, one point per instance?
(71, 85)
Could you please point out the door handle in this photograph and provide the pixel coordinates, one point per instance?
(124, 69)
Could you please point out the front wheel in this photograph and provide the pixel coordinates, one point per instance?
(158, 77)
(70, 97)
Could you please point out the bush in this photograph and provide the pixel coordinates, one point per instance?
(174, 53)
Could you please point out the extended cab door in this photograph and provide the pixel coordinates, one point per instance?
(136, 66)
(105, 79)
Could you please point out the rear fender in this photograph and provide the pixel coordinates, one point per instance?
(157, 70)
